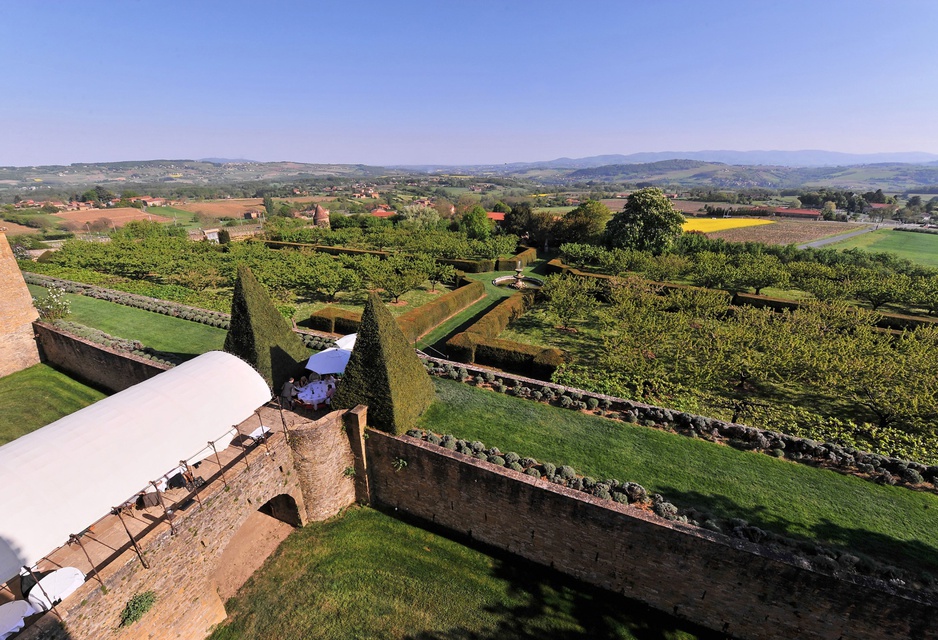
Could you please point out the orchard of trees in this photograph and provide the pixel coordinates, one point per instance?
(822, 371)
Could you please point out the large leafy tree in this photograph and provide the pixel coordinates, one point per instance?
(384, 373)
(648, 222)
(476, 223)
(585, 223)
(259, 334)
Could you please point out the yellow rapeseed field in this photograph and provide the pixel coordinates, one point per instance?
(708, 225)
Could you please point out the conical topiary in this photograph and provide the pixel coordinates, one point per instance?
(384, 373)
(260, 335)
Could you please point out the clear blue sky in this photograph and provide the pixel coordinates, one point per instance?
(462, 82)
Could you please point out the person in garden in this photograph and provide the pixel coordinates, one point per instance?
(286, 394)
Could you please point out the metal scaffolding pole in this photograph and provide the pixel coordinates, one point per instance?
(117, 512)
(75, 538)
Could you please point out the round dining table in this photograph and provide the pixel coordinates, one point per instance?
(56, 586)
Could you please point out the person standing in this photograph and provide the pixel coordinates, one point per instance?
(286, 394)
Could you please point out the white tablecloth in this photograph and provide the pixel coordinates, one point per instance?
(11, 617)
(314, 393)
(58, 585)
(260, 432)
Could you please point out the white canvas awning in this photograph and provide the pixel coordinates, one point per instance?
(59, 479)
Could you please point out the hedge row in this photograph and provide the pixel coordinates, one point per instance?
(806, 554)
(526, 257)
(480, 342)
(415, 322)
(335, 320)
(120, 344)
(469, 266)
(885, 321)
(419, 321)
(165, 307)
(836, 457)
(321, 248)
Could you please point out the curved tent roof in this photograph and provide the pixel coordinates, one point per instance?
(59, 479)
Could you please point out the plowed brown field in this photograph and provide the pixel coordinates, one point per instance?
(118, 216)
(237, 207)
(13, 229)
(786, 232)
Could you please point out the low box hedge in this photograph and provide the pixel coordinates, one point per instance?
(470, 266)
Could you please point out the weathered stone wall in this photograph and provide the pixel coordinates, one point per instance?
(181, 565)
(726, 584)
(17, 345)
(92, 363)
(322, 453)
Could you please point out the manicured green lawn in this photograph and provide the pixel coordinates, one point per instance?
(921, 248)
(367, 575)
(37, 396)
(889, 523)
(164, 333)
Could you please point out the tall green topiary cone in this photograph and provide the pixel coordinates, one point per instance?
(259, 334)
(384, 373)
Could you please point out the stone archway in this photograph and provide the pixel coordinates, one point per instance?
(283, 508)
(257, 538)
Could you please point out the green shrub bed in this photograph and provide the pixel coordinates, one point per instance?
(806, 555)
(134, 347)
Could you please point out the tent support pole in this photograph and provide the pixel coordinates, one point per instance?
(166, 513)
(218, 462)
(244, 450)
(189, 473)
(74, 538)
(283, 421)
(263, 433)
(116, 511)
(48, 599)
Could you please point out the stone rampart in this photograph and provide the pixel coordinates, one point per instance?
(92, 363)
(723, 583)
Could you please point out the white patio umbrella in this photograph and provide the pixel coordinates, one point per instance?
(329, 361)
(347, 342)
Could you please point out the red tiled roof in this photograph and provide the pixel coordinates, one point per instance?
(497, 216)
(382, 213)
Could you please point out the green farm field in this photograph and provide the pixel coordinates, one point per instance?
(365, 574)
(921, 248)
(37, 396)
(891, 524)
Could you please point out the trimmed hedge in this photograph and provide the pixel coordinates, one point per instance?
(480, 342)
(335, 251)
(470, 266)
(526, 257)
(335, 320)
(419, 321)
(414, 323)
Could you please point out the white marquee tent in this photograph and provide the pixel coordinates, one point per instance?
(59, 479)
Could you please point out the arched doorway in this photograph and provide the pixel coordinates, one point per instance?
(283, 508)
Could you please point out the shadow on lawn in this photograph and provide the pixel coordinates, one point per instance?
(543, 598)
(913, 555)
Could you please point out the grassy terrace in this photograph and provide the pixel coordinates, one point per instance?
(367, 575)
(37, 396)
(165, 333)
(892, 524)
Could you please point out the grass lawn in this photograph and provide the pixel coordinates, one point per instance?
(921, 248)
(165, 333)
(889, 523)
(368, 575)
(38, 396)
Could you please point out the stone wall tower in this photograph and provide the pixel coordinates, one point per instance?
(18, 348)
